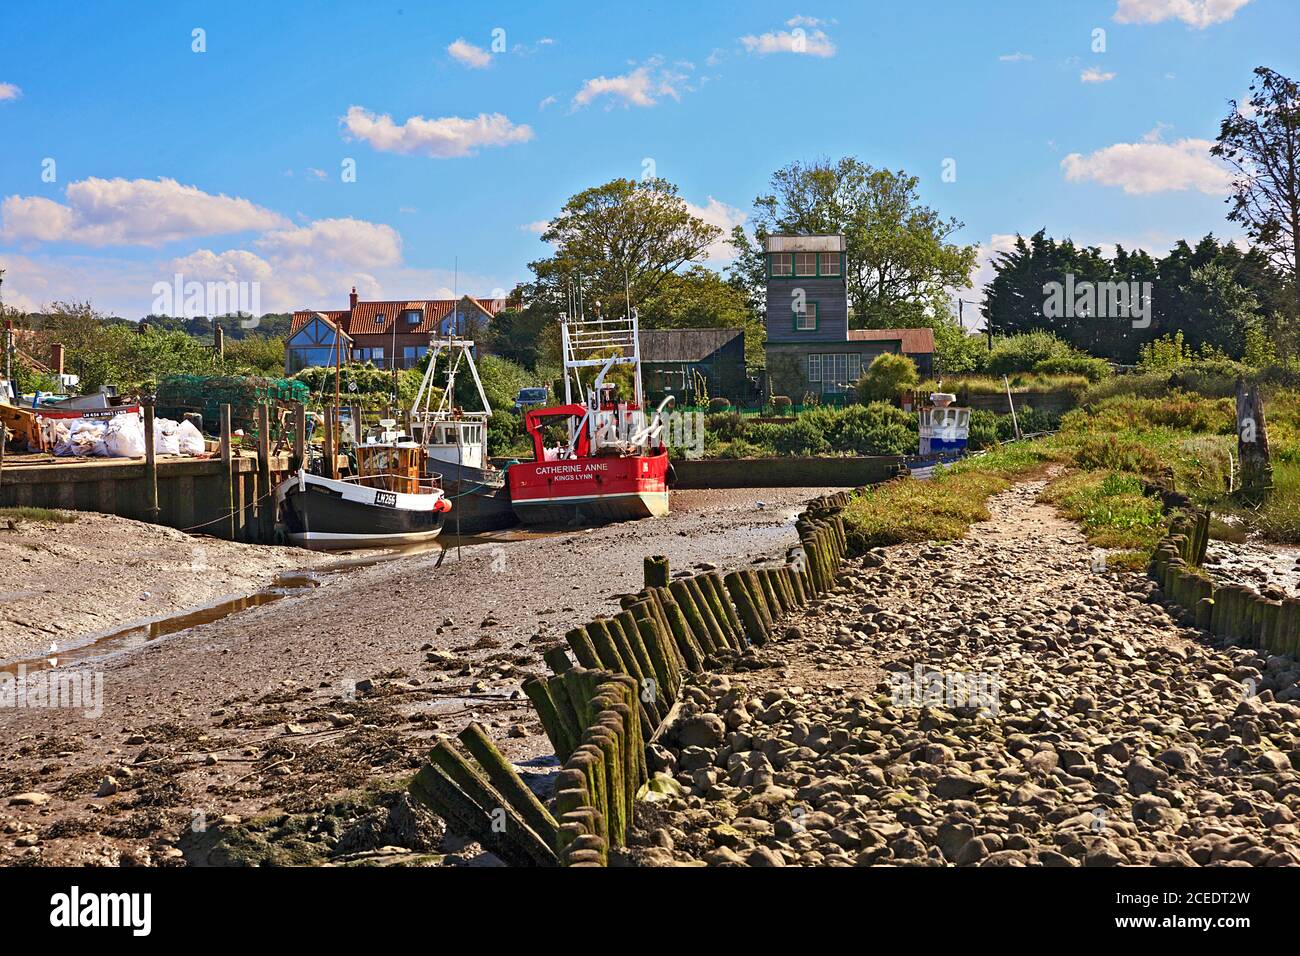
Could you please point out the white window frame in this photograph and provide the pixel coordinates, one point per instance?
(814, 367)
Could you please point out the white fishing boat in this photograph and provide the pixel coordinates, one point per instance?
(455, 440)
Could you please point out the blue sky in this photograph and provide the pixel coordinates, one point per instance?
(228, 163)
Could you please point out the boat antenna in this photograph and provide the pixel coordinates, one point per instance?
(627, 289)
(334, 420)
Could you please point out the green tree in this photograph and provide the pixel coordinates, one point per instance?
(701, 299)
(639, 231)
(1260, 140)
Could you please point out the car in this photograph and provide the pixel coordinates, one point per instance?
(531, 398)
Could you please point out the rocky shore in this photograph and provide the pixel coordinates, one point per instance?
(992, 702)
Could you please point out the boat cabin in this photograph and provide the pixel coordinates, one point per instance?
(943, 426)
(391, 461)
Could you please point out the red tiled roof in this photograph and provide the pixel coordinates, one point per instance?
(913, 340)
(363, 320)
(300, 318)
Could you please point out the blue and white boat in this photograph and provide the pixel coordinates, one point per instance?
(944, 427)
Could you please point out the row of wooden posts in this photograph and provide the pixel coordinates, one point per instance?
(1229, 610)
(603, 706)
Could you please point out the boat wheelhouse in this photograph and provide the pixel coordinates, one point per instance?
(455, 441)
(944, 427)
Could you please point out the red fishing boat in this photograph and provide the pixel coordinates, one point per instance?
(613, 465)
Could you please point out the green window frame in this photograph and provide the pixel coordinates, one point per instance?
(810, 309)
(785, 265)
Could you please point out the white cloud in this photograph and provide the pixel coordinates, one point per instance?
(798, 20)
(315, 173)
(474, 57)
(1156, 133)
(1150, 167)
(103, 212)
(546, 101)
(9, 91)
(725, 217)
(538, 227)
(351, 241)
(442, 138)
(640, 87)
(300, 267)
(1016, 57)
(1197, 14)
(1093, 75)
(797, 40)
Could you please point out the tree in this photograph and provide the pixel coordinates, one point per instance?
(701, 299)
(1260, 140)
(639, 230)
(900, 260)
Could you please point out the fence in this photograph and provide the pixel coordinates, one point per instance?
(603, 706)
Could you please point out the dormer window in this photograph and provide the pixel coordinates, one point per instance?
(782, 264)
(412, 317)
(379, 319)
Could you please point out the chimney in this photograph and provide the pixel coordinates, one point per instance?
(56, 359)
(352, 299)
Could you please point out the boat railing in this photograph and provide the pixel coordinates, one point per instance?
(427, 484)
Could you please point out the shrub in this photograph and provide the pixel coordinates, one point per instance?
(1093, 369)
(800, 437)
(719, 404)
(875, 429)
(887, 376)
(781, 404)
(725, 426)
(1021, 353)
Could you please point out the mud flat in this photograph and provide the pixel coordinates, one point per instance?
(255, 723)
(61, 583)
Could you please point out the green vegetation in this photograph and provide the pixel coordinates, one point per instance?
(886, 378)
(942, 508)
(874, 429)
(26, 513)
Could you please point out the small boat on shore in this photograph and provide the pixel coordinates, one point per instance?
(614, 465)
(389, 502)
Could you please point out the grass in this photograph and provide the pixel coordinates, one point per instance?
(941, 509)
(38, 514)
(1021, 383)
(1112, 508)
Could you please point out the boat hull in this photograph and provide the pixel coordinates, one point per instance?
(479, 496)
(589, 490)
(323, 513)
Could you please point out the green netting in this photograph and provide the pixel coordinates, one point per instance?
(205, 394)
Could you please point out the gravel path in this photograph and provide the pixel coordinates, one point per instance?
(989, 702)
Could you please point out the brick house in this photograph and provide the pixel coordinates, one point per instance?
(810, 347)
(385, 333)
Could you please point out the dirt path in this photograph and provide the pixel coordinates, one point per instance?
(284, 706)
(992, 701)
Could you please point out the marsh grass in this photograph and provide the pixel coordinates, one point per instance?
(24, 513)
